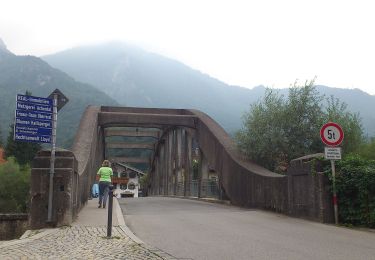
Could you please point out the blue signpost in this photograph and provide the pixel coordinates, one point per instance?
(36, 121)
(34, 116)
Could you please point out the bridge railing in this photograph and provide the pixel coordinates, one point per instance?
(88, 148)
(210, 188)
(194, 188)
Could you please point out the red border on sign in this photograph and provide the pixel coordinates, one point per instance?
(338, 142)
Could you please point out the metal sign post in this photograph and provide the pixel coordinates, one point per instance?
(332, 154)
(335, 207)
(110, 206)
(53, 151)
(332, 135)
(59, 100)
(36, 121)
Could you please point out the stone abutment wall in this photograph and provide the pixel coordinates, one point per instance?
(75, 172)
(13, 225)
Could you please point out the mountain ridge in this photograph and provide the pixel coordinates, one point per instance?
(135, 77)
(151, 81)
(3, 47)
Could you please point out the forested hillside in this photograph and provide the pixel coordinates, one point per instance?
(21, 73)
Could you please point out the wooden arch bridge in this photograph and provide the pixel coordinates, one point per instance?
(186, 149)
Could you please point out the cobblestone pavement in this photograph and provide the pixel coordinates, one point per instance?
(79, 242)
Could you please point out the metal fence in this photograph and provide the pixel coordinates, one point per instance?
(209, 188)
(194, 187)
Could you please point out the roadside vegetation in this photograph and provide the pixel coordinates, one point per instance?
(15, 174)
(355, 186)
(277, 129)
(14, 187)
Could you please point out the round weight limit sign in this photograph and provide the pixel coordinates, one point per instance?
(332, 134)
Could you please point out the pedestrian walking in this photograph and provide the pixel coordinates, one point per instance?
(104, 175)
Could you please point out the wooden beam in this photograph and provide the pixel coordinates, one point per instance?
(148, 146)
(132, 133)
(108, 119)
(130, 159)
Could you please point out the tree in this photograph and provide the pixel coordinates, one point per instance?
(277, 130)
(303, 120)
(262, 138)
(367, 150)
(350, 122)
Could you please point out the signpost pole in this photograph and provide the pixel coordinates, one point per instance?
(36, 121)
(335, 208)
(332, 135)
(52, 165)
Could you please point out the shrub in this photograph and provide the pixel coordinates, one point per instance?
(14, 187)
(355, 183)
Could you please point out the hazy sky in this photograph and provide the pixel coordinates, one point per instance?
(246, 43)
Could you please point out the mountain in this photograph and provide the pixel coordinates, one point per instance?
(135, 77)
(19, 74)
(3, 47)
(358, 101)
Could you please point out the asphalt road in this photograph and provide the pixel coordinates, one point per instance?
(190, 229)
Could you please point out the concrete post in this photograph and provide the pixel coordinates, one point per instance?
(64, 199)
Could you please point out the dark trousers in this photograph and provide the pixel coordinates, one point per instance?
(103, 192)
